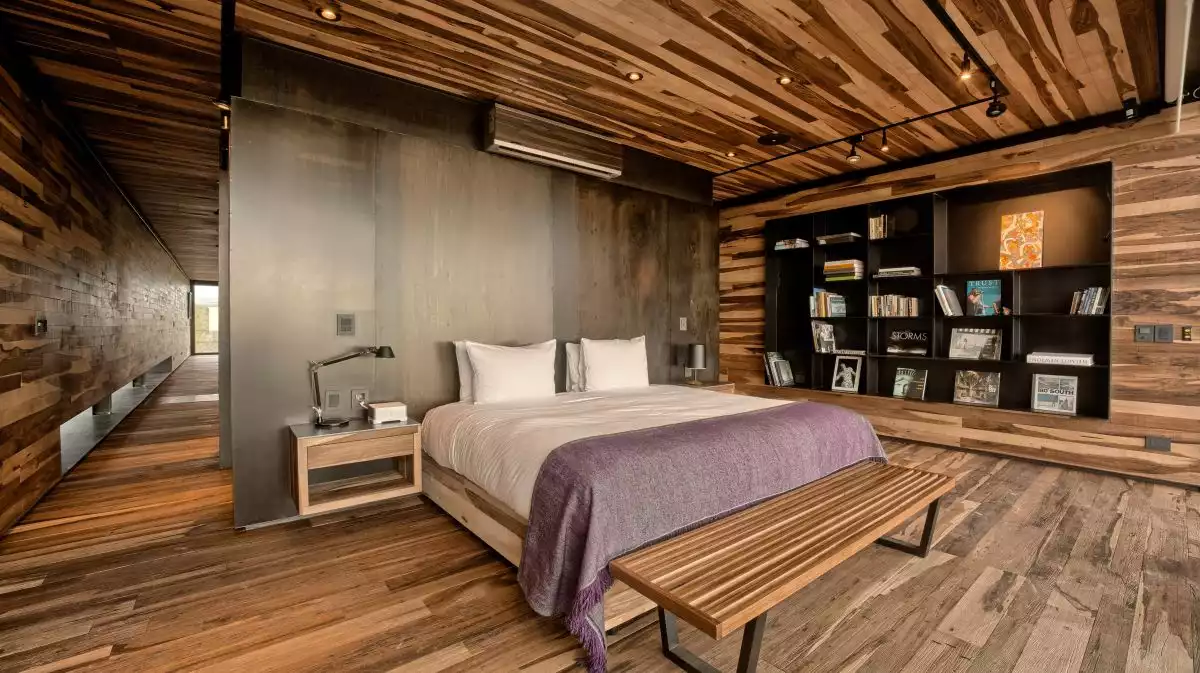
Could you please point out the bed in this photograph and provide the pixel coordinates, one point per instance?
(562, 485)
(482, 460)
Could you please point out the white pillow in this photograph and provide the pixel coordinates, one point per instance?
(614, 363)
(506, 373)
(574, 368)
(466, 375)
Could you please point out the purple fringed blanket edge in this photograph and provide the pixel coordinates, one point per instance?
(598, 498)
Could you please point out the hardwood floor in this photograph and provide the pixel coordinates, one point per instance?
(131, 564)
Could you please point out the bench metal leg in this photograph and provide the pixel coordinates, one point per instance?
(668, 630)
(921, 549)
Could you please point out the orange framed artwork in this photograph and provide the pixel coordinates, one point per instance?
(1021, 240)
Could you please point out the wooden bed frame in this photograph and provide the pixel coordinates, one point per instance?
(504, 531)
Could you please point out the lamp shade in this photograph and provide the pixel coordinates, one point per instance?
(384, 352)
(696, 359)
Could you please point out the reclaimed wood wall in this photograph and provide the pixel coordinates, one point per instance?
(1155, 386)
(70, 251)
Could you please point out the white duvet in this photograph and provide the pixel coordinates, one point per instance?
(502, 446)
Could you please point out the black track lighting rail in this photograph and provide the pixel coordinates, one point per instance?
(971, 57)
(858, 137)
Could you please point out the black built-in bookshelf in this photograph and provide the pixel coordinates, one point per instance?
(954, 237)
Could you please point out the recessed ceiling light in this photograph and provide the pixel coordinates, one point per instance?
(221, 105)
(784, 80)
(964, 73)
(634, 76)
(731, 154)
(329, 13)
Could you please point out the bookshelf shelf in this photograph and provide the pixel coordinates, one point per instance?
(954, 239)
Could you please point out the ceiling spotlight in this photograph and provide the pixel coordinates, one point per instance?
(883, 143)
(784, 80)
(964, 73)
(853, 157)
(329, 13)
(634, 76)
(996, 107)
(221, 105)
(731, 154)
(774, 138)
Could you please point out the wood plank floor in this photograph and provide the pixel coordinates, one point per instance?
(131, 564)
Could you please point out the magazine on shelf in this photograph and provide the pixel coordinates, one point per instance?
(769, 360)
(823, 340)
(791, 244)
(898, 272)
(948, 300)
(1055, 394)
(783, 373)
(908, 342)
(1069, 359)
(846, 373)
(983, 297)
(979, 388)
(975, 344)
(910, 383)
(832, 239)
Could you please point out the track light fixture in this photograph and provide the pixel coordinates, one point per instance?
(964, 72)
(854, 157)
(997, 107)
(883, 143)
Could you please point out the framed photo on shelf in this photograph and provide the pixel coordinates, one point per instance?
(978, 388)
(1055, 394)
(846, 373)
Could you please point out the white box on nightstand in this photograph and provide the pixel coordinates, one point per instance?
(387, 412)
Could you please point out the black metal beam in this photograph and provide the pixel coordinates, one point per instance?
(39, 89)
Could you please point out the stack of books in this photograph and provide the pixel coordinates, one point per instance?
(894, 306)
(826, 304)
(791, 244)
(880, 226)
(843, 269)
(834, 239)
(898, 272)
(1090, 301)
(1070, 359)
(947, 300)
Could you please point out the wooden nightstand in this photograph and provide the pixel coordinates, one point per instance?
(718, 386)
(358, 442)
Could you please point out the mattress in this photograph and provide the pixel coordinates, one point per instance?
(502, 446)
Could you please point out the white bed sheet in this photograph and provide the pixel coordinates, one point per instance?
(502, 446)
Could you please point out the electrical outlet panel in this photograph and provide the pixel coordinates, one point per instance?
(1143, 333)
(1155, 443)
(1164, 333)
(333, 399)
(358, 397)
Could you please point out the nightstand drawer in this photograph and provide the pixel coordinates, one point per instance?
(353, 449)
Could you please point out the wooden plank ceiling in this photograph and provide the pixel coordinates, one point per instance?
(140, 76)
(710, 67)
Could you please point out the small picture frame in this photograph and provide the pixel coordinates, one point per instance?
(846, 373)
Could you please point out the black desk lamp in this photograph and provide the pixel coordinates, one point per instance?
(318, 415)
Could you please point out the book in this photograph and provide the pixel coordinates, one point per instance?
(783, 373)
(769, 360)
(823, 339)
(1021, 240)
(791, 244)
(1055, 394)
(948, 300)
(979, 388)
(1069, 359)
(826, 304)
(898, 272)
(846, 371)
(910, 383)
(833, 239)
(1089, 301)
(983, 297)
(975, 344)
(908, 342)
(843, 269)
(879, 226)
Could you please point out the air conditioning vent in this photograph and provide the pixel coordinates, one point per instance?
(531, 138)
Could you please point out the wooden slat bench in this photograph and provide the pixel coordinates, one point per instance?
(729, 573)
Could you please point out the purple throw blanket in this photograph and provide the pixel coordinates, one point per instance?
(599, 498)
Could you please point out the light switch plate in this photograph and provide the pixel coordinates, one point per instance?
(1164, 333)
(333, 399)
(1143, 333)
(345, 324)
(683, 324)
(1185, 333)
